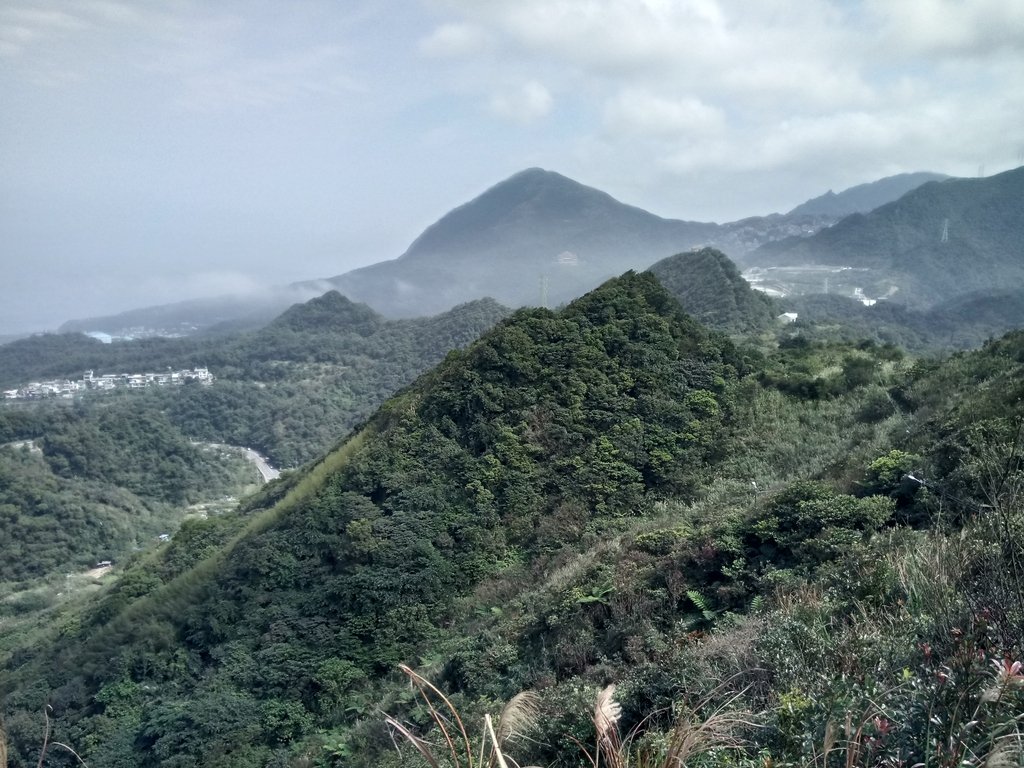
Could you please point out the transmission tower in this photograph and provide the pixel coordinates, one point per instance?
(544, 291)
(945, 231)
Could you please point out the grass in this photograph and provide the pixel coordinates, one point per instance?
(689, 736)
(455, 748)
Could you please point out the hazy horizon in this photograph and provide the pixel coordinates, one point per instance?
(158, 152)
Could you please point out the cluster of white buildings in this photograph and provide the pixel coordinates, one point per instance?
(67, 389)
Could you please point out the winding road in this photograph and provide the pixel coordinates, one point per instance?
(267, 471)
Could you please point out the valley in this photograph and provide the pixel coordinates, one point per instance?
(512, 384)
(781, 282)
(508, 244)
(659, 484)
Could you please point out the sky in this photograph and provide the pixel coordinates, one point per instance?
(158, 151)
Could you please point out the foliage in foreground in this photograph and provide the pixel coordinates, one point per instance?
(829, 539)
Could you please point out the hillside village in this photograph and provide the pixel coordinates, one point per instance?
(68, 389)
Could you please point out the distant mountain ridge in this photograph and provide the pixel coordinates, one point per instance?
(537, 237)
(535, 233)
(941, 240)
(183, 318)
(864, 197)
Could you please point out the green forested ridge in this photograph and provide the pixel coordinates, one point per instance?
(87, 483)
(964, 322)
(289, 389)
(937, 242)
(605, 494)
(711, 289)
(550, 428)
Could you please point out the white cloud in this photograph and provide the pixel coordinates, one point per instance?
(524, 103)
(454, 40)
(766, 86)
(22, 26)
(265, 81)
(973, 28)
(605, 36)
(640, 112)
(208, 57)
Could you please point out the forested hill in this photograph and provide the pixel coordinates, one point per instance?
(330, 312)
(549, 429)
(289, 389)
(864, 197)
(756, 547)
(535, 223)
(709, 287)
(941, 240)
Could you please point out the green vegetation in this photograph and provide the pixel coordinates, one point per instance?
(85, 483)
(810, 556)
(940, 241)
(288, 390)
(965, 322)
(710, 288)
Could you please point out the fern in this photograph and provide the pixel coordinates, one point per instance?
(702, 604)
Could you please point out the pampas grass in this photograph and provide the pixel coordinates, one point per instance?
(689, 737)
(516, 718)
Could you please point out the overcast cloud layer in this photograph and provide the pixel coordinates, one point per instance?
(156, 151)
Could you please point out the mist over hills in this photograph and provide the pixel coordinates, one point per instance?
(219, 314)
(864, 197)
(536, 237)
(535, 226)
(939, 241)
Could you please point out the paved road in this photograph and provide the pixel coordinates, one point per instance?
(268, 472)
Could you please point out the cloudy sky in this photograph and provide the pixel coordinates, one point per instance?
(155, 151)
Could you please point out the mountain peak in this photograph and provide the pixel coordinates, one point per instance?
(865, 197)
(329, 311)
(530, 195)
(710, 287)
(534, 172)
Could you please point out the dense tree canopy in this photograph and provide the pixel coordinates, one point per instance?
(608, 493)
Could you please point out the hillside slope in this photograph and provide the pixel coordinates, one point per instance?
(550, 428)
(710, 287)
(535, 225)
(939, 241)
(769, 544)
